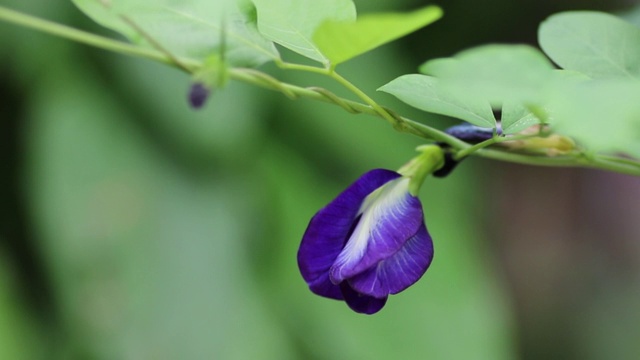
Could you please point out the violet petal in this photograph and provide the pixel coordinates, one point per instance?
(399, 271)
(392, 217)
(328, 231)
(361, 303)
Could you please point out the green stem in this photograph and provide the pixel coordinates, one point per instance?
(619, 160)
(427, 132)
(494, 140)
(400, 123)
(299, 67)
(258, 78)
(472, 149)
(604, 164)
(87, 38)
(560, 161)
(385, 114)
(394, 121)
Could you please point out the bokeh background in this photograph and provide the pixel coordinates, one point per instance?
(132, 227)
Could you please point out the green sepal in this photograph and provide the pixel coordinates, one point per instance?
(431, 159)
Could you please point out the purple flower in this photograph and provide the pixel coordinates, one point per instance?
(368, 243)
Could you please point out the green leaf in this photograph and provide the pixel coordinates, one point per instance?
(602, 115)
(191, 28)
(496, 73)
(597, 44)
(516, 117)
(292, 23)
(340, 41)
(425, 93)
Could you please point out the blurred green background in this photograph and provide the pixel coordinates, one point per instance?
(135, 228)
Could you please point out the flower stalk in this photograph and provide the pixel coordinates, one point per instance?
(431, 159)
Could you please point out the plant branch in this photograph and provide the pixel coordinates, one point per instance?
(382, 112)
(620, 160)
(496, 139)
(472, 149)
(398, 122)
(261, 79)
(255, 77)
(603, 162)
(597, 162)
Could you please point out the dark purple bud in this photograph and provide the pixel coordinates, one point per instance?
(470, 133)
(198, 95)
(465, 132)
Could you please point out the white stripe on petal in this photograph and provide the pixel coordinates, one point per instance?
(383, 202)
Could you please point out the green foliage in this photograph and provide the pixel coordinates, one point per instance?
(599, 45)
(467, 85)
(516, 117)
(325, 31)
(293, 23)
(603, 115)
(193, 29)
(342, 40)
(425, 93)
(494, 73)
(594, 100)
(514, 78)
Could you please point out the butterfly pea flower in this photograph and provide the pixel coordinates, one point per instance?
(371, 241)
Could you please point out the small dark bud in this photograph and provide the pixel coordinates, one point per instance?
(198, 95)
(470, 133)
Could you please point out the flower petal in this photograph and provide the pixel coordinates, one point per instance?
(329, 229)
(399, 271)
(361, 303)
(391, 217)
